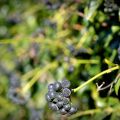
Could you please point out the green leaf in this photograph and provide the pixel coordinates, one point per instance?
(117, 85)
(100, 116)
(115, 116)
(92, 9)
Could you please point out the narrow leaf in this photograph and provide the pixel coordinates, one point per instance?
(117, 85)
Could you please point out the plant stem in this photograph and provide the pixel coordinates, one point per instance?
(84, 61)
(96, 76)
(37, 76)
(83, 113)
(108, 110)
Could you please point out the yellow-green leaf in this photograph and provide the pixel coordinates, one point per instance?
(117, 85)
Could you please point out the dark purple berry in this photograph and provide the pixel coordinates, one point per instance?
(71, 69)
(52, 94)
(66, 100)
(72, 110)
(57, 86)
(65, 83)
(63, 111)
(71, 48)
(16, 97)
(67, 107)
(60, 104)
(66, 92)
(14, 81)
(51, 87)
(59, 97)
(35, 113)
(53, 106)
(48, 98)
(55, 100)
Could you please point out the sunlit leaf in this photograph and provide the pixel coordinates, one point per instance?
(117, 86)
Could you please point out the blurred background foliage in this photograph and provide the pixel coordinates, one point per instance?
(42, 41)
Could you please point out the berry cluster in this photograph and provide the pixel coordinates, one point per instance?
(13, 92)
(110, 7)
(58, 97)
(35, 114)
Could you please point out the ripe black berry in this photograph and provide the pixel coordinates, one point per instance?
(72, 110)
(66, 100)
(67, 107)
(48, 98)
(57, 86)
(51, 87)
(66, 92)
(71, 48)
(53, 106)
(55, 100)
(65, 83)
(63, 111)
(60, 104)
(71, 69)
(59, 97)
(52, 94)
(16, 97)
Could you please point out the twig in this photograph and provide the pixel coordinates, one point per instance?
(96, 76)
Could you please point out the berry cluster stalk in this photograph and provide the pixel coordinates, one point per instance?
(96, 76)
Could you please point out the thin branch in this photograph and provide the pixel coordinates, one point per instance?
(96, 76)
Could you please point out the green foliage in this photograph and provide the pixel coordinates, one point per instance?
(43, 42)
(117, 86)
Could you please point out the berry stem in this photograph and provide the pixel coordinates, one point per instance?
(96, 76)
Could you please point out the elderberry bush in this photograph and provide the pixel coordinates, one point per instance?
(44, 40)
(58, 97)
